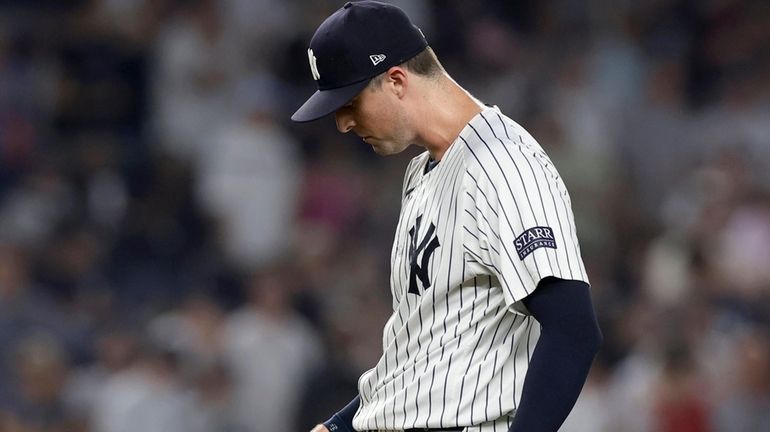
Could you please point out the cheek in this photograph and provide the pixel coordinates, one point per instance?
(371, 119)
(381, 117)
(389, 118)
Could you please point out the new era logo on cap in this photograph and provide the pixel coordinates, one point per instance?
(377, 58)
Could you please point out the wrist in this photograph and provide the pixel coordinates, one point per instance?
(343, 420)
(338, 424)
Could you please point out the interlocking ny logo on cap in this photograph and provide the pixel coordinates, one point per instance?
(377, 58)
(313, 66)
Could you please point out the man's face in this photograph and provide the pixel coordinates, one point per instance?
(377, 115)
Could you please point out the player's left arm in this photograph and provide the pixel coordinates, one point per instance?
(520, 212)
(569, 340)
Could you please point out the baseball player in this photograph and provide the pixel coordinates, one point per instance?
(492, 326)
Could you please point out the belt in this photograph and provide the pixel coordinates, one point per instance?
(448, 429)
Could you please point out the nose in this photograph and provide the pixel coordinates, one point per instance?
(345, 122)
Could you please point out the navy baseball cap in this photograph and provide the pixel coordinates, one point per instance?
(353, 45)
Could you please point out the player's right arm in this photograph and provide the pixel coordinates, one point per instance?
(342, 421)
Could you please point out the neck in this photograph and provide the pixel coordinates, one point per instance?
(446, 110)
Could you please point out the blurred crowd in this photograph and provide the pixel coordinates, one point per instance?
(175, 255)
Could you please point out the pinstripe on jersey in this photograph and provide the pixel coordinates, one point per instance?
(458, 344)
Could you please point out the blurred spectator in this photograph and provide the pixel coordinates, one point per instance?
(42, 368)
(667, 278)
(169, 406)
(26, 311)
(631, 384)
(120, 386)
(195, 65)
(747, 405)
(249, 173)
(193, 331)
(740, 124)
(30, 212)
(254, 26)
(135, 21)
(679, 397)
(215, 401)
(148, 396)
(742, 250)
(271, 352)
(86, 394)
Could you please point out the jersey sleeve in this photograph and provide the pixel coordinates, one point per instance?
(519, 220)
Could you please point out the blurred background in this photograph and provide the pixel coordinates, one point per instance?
(175, 255)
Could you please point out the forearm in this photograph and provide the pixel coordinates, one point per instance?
(561, 360)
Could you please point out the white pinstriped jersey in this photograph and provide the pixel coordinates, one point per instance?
(475, 236)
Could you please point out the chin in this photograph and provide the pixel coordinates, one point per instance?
(380, 149)
(387, 149)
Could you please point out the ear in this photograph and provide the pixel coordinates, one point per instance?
(397, 80)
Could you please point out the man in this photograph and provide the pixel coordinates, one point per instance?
(492, 326)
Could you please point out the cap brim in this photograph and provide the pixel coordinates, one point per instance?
(324, 102)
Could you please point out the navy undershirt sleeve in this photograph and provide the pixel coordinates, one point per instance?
(343, 420)
(569, 340)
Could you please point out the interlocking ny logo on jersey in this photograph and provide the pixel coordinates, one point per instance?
(427, 246)
(313, 64)
(534, 238)
(377, 58)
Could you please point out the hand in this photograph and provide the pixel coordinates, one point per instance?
(320, 428)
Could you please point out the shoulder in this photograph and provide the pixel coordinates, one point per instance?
(489, 140)
(500, 150)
